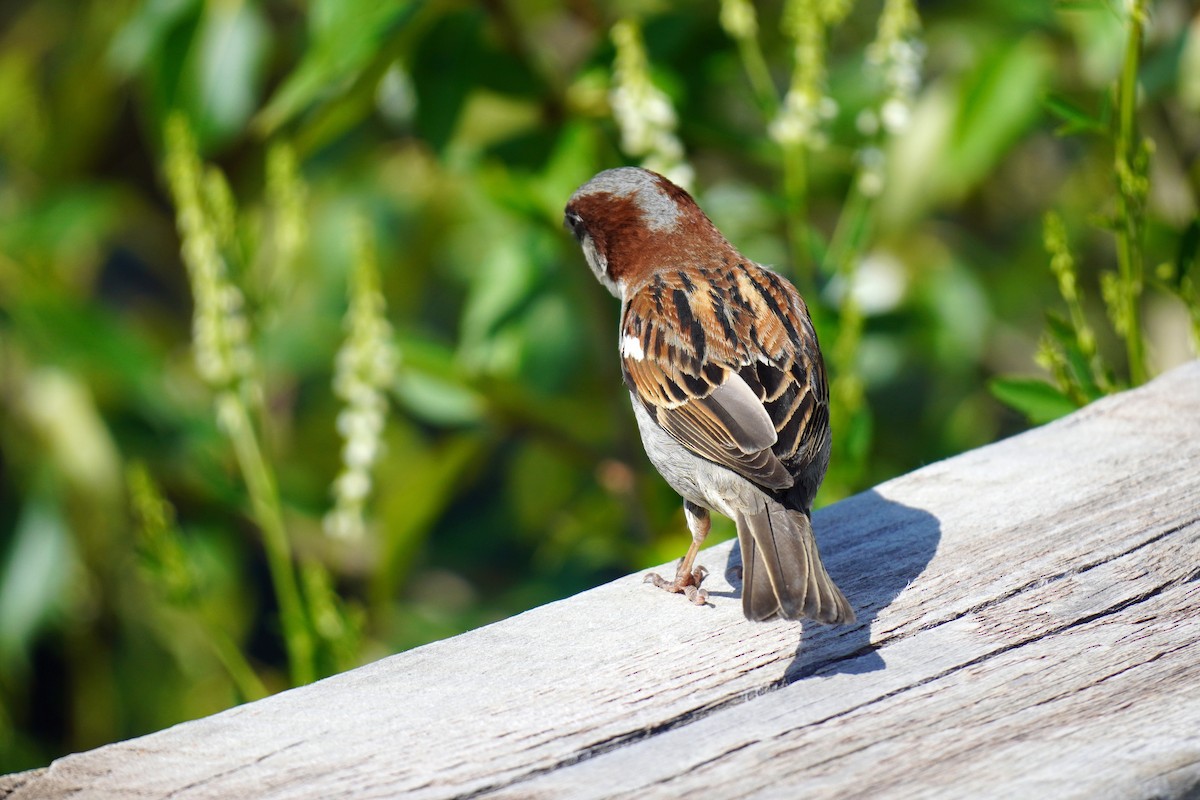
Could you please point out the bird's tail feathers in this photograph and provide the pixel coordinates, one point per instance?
(782, 573)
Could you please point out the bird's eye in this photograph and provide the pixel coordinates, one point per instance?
(573, 221)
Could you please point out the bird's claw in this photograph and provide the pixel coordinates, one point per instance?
(685, 583)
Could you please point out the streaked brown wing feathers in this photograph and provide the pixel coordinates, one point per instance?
(730, 322)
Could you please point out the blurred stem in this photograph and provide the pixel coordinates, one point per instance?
(240, 672)
(740, 21)
(1130, 194)
(168, 568)
(759, 75)
(853, 226)
(264, 498)
(846, 388)
(795, 191)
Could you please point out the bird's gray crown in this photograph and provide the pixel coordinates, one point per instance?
(659, 210)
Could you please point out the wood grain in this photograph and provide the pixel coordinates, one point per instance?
(1029, 625)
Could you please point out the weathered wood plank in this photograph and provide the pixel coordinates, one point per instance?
(1029, 624)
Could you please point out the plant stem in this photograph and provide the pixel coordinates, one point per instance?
(795, 191)
(240, 672)
(759, 76)
(264, 498)
(852, 230)
(847, 389)
(1130, 195)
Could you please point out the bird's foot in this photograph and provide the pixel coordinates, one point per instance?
(685, 583)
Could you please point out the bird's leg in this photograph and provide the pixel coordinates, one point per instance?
(687, 580)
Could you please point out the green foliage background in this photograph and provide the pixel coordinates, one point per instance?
(437, 143)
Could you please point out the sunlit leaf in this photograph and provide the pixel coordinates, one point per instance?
(36, 572)
(1037, 400)
(229, 67)
(345, 37)
(438, 401)
(502, 288)
(998, 101)
(145, 32)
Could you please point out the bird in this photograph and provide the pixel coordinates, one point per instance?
(727, 382)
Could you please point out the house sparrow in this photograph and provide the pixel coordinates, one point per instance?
(727, 382)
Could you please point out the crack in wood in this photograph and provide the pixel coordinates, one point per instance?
(235, 769)
(1044, 580)
(621, 740)
(1126, 668)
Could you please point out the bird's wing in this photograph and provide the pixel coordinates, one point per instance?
(723, 360)
(788, 372)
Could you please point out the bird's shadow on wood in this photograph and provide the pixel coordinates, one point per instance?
(873, 548)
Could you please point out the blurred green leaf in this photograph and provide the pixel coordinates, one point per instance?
(416, 489)
(116, 358)
(1075, 119)
(1037, 400)
(438, 401)
(450, 49)
(205, 59)
(231, 53)
(57, 236)
(551, 344)
(963, 127)
(345, 37)
(1081, 5)
(145, 31)
(501, 291)
(432, 387)
(36, 572)
(1185, 256)
(999, 100)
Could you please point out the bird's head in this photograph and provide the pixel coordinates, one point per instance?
(632, 222)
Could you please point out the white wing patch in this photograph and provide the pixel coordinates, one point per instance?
(631, 347)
